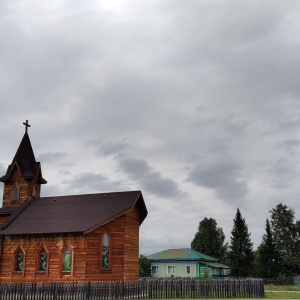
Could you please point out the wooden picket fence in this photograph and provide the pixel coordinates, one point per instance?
(142, 289)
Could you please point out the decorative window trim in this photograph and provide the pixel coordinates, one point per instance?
(14, 260)
(62, 259)
(15, 194)
(37, 259)
(107, 248)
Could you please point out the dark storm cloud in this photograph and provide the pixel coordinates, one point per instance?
(139, 171)
(150, 180)
(223, 178)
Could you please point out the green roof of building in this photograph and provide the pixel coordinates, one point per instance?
(181, 254)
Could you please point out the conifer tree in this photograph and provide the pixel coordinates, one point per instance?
(241, 248)
(267, 263)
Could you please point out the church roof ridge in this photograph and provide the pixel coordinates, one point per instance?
(72, 213)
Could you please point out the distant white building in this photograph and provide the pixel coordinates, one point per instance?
(186, 263)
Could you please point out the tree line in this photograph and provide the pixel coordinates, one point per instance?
(277, 255)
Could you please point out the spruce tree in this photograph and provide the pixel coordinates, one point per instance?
(267, 262)
(241, 248)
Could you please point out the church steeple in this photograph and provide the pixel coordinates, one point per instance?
(23, 177)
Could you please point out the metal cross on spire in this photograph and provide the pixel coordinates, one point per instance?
(26, 126)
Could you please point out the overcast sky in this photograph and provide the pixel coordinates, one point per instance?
(195, 103)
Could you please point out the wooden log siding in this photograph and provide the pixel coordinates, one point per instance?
(143, 289)
(25, 189)
(124, 258)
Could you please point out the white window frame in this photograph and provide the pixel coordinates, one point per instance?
(215, 271)
(171, 269)
(154, 268)
(225, 271)
(204, 269)
(188, 270)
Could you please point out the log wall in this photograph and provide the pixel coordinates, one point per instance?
(25, 189)
(86, 251)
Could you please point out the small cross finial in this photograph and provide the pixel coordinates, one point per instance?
(26, 126)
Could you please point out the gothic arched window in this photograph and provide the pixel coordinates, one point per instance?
(66, 260)
(19, 260)
(42, 261)
(105, 254)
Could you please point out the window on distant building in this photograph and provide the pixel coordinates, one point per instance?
(154, 270)
(105, 253)
(225, 271)
(216, 271)
(188, 270)
(171, 269)
(18, 260)
(205, 270)
(66, 260)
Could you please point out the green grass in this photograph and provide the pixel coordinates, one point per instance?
(282, 295)
(282, 288)
(282, 292)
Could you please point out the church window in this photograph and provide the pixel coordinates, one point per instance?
(66, 260)
(42, 261)
(105, 251)
(19, 260)
(33, 191)
(15, 194)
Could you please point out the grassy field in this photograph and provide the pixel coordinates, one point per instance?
(282, 292)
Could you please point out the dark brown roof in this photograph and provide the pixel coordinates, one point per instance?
(25, 161)
(8, 210)
(77, 213)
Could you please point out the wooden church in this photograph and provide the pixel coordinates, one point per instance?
(92, 237)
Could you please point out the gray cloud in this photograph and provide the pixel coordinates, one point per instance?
(93, 183)
(223, 178)
(112, 148)
(216, 104)
(283, 173)
(51, 157)
(2, 169)
(151, 181)
(139, 171)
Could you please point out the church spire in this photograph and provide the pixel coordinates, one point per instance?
(23, 176)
